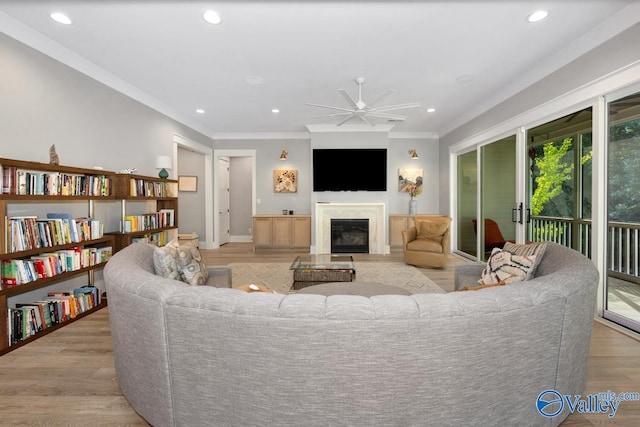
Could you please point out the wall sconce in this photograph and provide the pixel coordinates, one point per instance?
(163, 163)
(414, 155)
(283, 155)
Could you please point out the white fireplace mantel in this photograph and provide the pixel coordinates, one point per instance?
(374, 212)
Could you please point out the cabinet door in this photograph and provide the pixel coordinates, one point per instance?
(301, 232)
(397, 223)
(282, 232)
(262, 232)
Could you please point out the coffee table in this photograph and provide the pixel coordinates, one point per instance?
(313, 269)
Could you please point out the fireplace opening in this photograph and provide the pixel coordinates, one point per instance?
(350, 236)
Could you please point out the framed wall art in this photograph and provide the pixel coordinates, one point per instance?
(285, 181)
(187, 183)
(409, 179)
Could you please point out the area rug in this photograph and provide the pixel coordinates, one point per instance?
(278, 277)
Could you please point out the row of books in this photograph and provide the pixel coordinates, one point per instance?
(144, 188)
(159, 239)
(29, 182)
(26, 320)
(21, 271)
(28, 232)
(149, 221)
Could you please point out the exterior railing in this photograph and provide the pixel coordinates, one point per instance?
(623, 240)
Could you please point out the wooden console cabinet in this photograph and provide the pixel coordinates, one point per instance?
(398, 223)
(282, 231)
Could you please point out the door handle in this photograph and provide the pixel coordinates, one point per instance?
(517, 214)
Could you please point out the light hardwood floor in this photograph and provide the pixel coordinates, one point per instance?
(67, 377)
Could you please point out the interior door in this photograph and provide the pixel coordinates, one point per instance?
(223, 202)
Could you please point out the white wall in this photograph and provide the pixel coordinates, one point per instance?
(44, 102)
(191, 209)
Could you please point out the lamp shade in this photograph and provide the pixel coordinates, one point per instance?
(163, 163)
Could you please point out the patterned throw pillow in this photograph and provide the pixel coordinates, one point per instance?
(536, 249)
(164, 262)
(180, 262)
(191, 266)
(505, 267)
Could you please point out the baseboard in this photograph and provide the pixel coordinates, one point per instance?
(241, 239)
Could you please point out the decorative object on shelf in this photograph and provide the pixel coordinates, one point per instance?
(187, 183)
(284, 154)
(54, 159)
(163, 163)
(285, 181)
(128, 170)
(414, 154)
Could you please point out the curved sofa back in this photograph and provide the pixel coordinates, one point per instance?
(224, 357)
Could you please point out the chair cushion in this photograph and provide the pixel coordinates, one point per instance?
(426, 245)
(433, 228)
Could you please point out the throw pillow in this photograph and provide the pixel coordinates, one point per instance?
(432, 229)
(536, 249)
(191, 266)
(164, 262)
(503, 266)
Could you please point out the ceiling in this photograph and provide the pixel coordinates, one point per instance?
(458, 57)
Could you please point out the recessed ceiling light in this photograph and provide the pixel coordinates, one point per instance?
(61, 18)
(200, 111)
(254, 80)
(431, 110)
(275, 110)
(467, 78)
(212, 17)
(537, 16)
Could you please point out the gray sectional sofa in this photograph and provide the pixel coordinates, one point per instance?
(206, 356)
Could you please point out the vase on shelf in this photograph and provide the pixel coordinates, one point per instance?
(413, 206)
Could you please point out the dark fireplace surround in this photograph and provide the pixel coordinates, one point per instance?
(350, 235)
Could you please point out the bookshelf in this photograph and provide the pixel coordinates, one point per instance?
(38, 252)
(158, 225)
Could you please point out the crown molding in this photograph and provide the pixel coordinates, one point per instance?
(413, 135)
(349, 128)
(260, 135)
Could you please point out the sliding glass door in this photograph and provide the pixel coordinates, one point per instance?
(559, 181)
(623, 212)
(498, 195)
(467, 202)
(481, 227)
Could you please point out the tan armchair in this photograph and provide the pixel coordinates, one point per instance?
(427, 243)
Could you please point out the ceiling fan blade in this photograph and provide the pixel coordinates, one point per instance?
(346, 120)
(330, 115)
(365, 119)
(331, 108)
(394, 107)
(380, 98)
(387, 116)
(349, 99)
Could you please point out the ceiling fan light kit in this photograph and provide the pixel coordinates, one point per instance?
(362, 110)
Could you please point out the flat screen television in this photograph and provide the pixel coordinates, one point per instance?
(355, 169)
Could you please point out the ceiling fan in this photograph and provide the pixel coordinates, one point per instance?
(363, 111)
